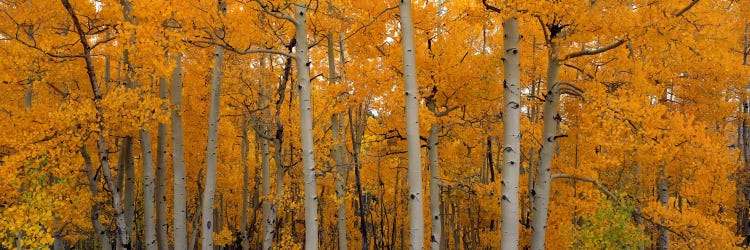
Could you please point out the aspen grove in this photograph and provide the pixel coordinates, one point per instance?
(393, 124)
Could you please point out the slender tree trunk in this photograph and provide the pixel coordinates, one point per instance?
(207, 239)
(269, 209)
(444, 237)
(107, 70)
(99, 229)
(148, 191)
(511, 134)
(244, 147)
(102, 146)
(128, 142)
(396, 190)
(663, 186)
(743, 186)
(432, 151)
(255, 205)
(543, 182)
(414, 174)
(530, 186)
(161, 176)
(129, 187)
(306, 127)
(356, 139)
(28, 96)
(179, 194)
(456, 232)
(338, 150)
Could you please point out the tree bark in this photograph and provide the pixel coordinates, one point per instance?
(179, 219)
(102, 146)
(99, 229)
(207, 239)
(269, 218)
(129, 187)
(161, 176)
(28, 96)
(414, 172)
(244, 147)
(148, 191)
(306, 127)
(338, 149)
(437, 225)
(130, 83)
(511, 134)
(354, 131)
(542, 185)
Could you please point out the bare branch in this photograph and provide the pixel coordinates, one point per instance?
(269, 51)
(594, 51)
(490, 7)
(579, 69)
(445, 112)
(547, 38)
(686, 9)
(589, 180)
(276, 13)
(239, 51)
(103, 41)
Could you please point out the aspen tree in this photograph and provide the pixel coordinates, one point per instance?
(179, 194)
(511, 134)
(207, 211)
(414, 174)
(102, 146)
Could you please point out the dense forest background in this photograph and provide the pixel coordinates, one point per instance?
(336, 124)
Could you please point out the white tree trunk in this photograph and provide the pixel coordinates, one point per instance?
(414, 172)
(269, 219)
(102, 147)
(148, 191)
(543, 180)
(179, 220)
(437, 225)
(129, 189)
(161, 176)
(511, 133)
(338, 149)
(270, 214)
(306, 127)
(99, 229)
(269, 222)
(207, 212)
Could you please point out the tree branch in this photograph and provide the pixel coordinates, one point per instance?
(579, 69)
(686, 9)
(445, 112)
(269, 51)
(589, 180)
(242, 52)
(490, 7)
(276, 13)
(371, 21)
(594, 51)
